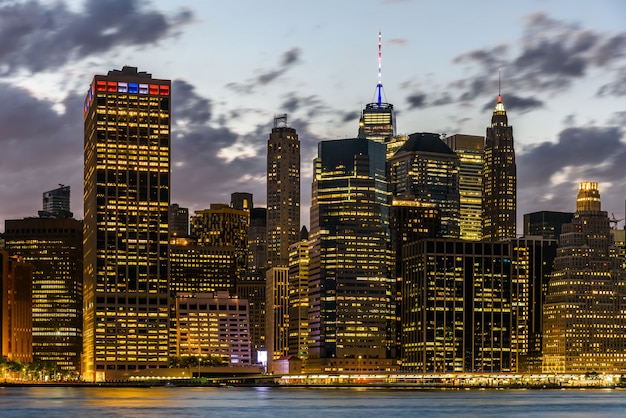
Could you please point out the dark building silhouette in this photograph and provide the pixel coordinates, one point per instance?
(546, 224)
(178, 220)
(499, 178)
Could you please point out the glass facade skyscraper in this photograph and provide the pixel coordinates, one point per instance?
(351, 312)
(126, 203)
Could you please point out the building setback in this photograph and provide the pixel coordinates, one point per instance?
(499, 178)
(126, 205)
(584, 317)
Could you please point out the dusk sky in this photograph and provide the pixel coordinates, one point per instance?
(235, 65)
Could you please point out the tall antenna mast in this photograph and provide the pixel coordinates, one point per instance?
(499, 78)
(379, 87)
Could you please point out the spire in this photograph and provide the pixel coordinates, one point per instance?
(499, 110)
(379, 86)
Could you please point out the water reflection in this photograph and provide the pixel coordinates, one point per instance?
(66, 402)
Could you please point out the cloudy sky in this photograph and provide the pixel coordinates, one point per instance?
(235, 65)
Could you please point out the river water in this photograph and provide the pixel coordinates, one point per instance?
(183, 402)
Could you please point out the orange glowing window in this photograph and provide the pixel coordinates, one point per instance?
(165, 90)
(111, 85)
(101, 85)
(154, 89)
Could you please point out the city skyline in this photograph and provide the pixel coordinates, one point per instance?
(560, 69)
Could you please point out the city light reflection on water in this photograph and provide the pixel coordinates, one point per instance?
(178, 402)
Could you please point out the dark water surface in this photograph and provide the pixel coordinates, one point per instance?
(179, 402)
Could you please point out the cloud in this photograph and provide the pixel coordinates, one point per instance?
(513, 102)
(41, 36)
(549, 173)
(416, 100)
(552, 55)
(288, 60)
(40, 149)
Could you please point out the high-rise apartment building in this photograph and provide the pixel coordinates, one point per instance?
(545, 223)
(276, 313)
(426, 170)
(350, 286)
(584, 317)
(16, 342)
(56, 203)
(283, 192)
(126, 204)
(470, 149)
(54, 249)
(499, 178)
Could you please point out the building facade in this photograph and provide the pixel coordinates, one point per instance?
(178, 220)
(283, 192)
(426, 170)
(350, 286)
(471, 150)
(457, 313)
(54, 249)
(546, 224)
(584, 317)
(298, 295)
(56, 203)
(499, 178)
(126, 205)
(212, 324)
(16, 336)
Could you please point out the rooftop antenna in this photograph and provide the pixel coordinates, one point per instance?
(379, 86)
(499, 78)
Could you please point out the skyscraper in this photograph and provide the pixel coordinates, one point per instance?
(545, 223)
(378, 119)
(178, 221)
(283, 192)
(126, 202)
(56, 203)
(470, 149)
(426, 170)
(499, 178)
(350, 286)
(299, 296)
(54, 248)
(584, 317)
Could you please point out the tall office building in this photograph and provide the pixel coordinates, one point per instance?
(242, 201)
(499, 178)
(470, 149)
(276, 313)
(54, 248)
(584, 317)
(223, 226)
(545, 223)
(532, 258)
(426, 170)
(178, 220)
(298, 290)
(350, 286)
(16, 337)
(56, 203)
(126, 202)
(283, 192)
(457, 311)
(378, 119)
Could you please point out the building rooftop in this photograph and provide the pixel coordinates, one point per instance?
(425, 142)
